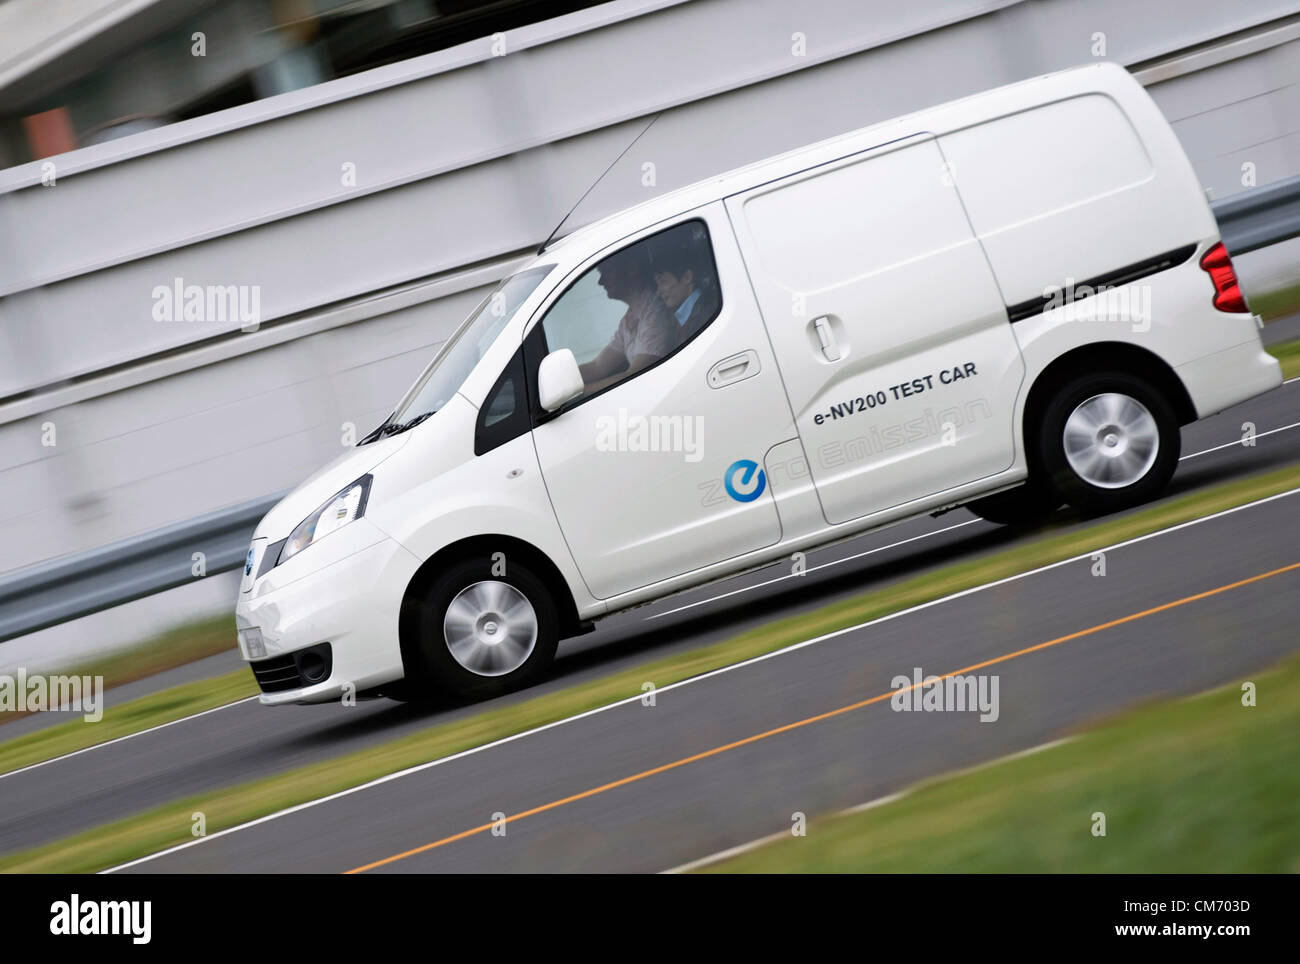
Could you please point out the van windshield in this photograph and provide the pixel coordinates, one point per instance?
(462, 351)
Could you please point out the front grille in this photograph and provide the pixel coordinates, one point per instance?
(303, 667)
(276, 674)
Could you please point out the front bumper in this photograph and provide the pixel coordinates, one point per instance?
(351, 602)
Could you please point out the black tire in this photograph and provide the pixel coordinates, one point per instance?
(438, 671)
(1027, 505)
(1151, 465)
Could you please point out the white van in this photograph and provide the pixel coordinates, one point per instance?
(1009, 302)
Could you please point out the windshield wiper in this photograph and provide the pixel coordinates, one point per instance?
(396, 428)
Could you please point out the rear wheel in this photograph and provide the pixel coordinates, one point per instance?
(482, 632)
(1108, 441)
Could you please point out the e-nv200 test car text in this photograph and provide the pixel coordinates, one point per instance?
(1010, 302)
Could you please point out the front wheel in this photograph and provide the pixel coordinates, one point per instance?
(483, 631)
(1108, 441)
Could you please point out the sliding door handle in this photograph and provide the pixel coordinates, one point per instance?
(826, 338)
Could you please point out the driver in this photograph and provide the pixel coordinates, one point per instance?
(646, 332)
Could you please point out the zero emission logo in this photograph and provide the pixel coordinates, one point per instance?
(752, 485)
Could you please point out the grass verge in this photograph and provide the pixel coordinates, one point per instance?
(168, 825)
(1188, 786)
(1276, 303)
(1288, 353)
(140, 714)
(176, 647)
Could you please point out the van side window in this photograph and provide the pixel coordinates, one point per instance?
(504, 414)
(637, 306)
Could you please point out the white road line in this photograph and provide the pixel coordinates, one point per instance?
(745, 848)
(129, 736)
(730, 852)
(1228, 445)
(421, 767)
(824, 565)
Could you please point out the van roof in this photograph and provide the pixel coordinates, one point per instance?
(1105, 77)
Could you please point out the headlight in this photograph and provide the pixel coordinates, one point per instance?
(347, 505)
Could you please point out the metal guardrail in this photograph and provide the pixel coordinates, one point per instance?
(63, 589)
(1259, 217)
(53, 592)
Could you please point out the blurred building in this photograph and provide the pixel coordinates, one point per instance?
(79, 72)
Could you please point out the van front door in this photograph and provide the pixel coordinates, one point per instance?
(888, 326)
(655, 470)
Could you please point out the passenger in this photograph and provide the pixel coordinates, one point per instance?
(647, 331)
(683, 272)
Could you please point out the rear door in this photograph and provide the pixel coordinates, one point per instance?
(889, 329)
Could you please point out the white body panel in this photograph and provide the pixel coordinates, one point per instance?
(635, 516)
(914, 242)
(914, 356)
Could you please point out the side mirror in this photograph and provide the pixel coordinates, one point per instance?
(559, 380)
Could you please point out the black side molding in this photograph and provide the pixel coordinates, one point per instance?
(1111, 279)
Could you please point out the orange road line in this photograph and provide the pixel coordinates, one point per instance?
(645, 774)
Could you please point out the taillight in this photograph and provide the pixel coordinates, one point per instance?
(1227, 293)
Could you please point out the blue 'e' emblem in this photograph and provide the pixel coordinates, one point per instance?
(745, 468)
(248, 563)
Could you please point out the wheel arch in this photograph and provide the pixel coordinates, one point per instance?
(1104, 357)
(514, 549)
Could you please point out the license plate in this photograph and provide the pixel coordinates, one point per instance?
(251, 641)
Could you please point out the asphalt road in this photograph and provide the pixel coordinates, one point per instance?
(625, 790)
(247, 741)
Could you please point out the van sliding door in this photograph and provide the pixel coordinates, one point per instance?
(889, 330)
